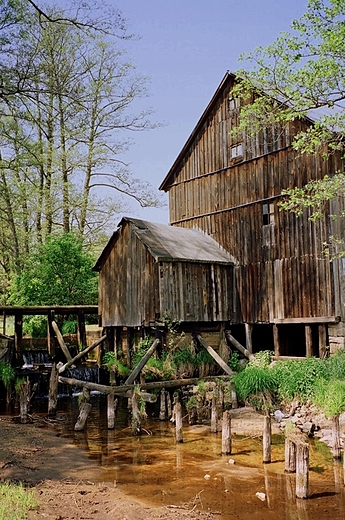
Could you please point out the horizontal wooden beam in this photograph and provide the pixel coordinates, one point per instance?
(307, 320)
(11, 310)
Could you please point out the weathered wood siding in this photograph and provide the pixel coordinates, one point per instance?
(281, 272)
(136, 290)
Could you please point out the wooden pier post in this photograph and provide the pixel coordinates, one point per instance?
(53, 391)
(136, 418)
(266, 440)
(84, 410)
(111, 409)
(169, 407)
(290, 456)
(302, 469)
(226, 433)
(178, 422)
(214, 415)
(24, 399)
(336, 437)
(162, 409)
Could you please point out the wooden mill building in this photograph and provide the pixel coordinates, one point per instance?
(279, 291)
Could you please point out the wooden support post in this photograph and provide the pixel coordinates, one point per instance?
(238, 345)
(290, 456)
(4, 323)
(178, 422)
(322, 329)
(24, 400)
(162, 409)
(215, 356)
(132, 377)
(50, 335)
(248, 331)
(61, 341)
(276, 341)
(53, 391)
(136, 417)
(309, 351)
(111, 409)
(81, 354)
(226, 433)
(266, 440)
(81, 331)
(336, 437)
(18, 332)
(302, 470)
(169, 408)
(82, 418)
(214, 415)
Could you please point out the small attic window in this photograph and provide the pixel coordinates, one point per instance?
(267, 214)
(234, 103)
(236, 151)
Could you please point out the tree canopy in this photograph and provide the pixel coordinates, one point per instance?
(302, 73)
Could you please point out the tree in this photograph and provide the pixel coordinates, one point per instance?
(59, 273)
(303, 71)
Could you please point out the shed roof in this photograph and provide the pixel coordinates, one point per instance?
(170, 243)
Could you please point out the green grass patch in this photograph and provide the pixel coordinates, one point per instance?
(16, 501)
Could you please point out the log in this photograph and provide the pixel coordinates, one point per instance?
(266, 440)
(290, 456)
(132, 377)
(53, 391)
(81, 354)
(83, 415)
(215, 356)
(60, 339)
(178, 422)
(336, 437)
(111, 409)
(214, 415)
(24, 399)
(162, 410)
(136, 416)
(302, 470)
(120, 390)
(226, 433)
(238, 345)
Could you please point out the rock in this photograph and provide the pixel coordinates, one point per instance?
(261, 496)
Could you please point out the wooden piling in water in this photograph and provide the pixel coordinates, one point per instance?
(266, 440)
(226, 433)
(111, 409)
(169, 407)
(302, 470)
(214, 415)
(336, 437)
(162, 409)
(290, 456)
(136, 417)
(24, 400)
(178, 422)
(53, 391)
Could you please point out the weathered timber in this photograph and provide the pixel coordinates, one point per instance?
(81, 331)
(30, 310)
(136, 416)
(302, 470)
(120, 390)
(214, 354)
(53, 391)
(178, 422)
(132, 377)
(24, 399)
(18, 332)
(336, 437)
(169, 410)
(266, 440)
(214, 415)
(82, 417)
(162, 409)
(111, 409)
(81, 354)
(290, 456)
(226, 433)
(60, 339)
(238, 345)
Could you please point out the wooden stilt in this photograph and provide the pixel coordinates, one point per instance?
(111, 409)
(336, 437)
(24, 399)
(309, 348)
(169, 408)
(162, 410)
(178, 421)
(136, 418)
(226, 433)
(290, 456)
(266, 440)
(53, 391)
(302, 469)
(214, 415)
(82, 417)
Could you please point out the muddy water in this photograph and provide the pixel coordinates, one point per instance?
(195, 474)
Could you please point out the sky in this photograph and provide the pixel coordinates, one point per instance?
(185, 48)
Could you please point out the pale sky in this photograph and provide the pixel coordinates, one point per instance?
(185, 48)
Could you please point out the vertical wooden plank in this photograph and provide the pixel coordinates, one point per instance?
(18, 332)
(276, 341)
(81, 331)
(309, 351)
(322, 329)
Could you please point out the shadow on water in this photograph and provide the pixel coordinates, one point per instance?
(154, 468)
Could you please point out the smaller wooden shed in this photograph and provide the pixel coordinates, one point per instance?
(150, 271)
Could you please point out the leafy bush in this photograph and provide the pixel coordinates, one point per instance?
(35, 326)
(115, 365)
(262, 359)
(330, 396)
(69, 327)
(7, 373)
(234, 362)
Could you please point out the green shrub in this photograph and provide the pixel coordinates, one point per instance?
(115, 365)
(35, 326)
(257, 386)
(262, 359)
(330, 396)
(7, 373)
(69, 326)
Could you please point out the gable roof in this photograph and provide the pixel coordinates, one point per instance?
(170, 243)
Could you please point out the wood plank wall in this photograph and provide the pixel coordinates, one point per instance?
(281, 272)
